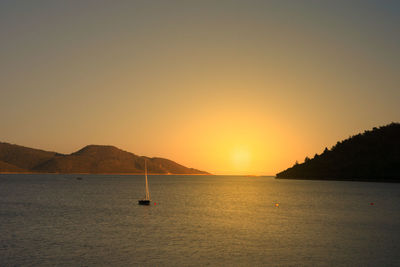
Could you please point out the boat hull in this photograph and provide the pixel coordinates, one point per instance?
(144, 202)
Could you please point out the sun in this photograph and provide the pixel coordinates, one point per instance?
(241, 158)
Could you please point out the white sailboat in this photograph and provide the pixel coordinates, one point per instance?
(146, 200)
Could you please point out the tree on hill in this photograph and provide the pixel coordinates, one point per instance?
(372, 155)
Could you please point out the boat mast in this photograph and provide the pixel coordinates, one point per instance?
(147, 185)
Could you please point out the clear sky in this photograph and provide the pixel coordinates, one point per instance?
(230, 87)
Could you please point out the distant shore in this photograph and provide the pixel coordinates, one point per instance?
(113, 173)
(373, 155)
(342, 179)
(91, 159)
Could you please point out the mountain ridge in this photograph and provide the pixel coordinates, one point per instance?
(93, 159)
(370, 156)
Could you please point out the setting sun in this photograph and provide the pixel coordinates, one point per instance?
(241, 158)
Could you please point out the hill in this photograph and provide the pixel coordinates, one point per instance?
(23, 157)
(371, 156)
(7, 167)
(94, 159)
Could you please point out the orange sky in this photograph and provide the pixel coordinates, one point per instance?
(230, 87)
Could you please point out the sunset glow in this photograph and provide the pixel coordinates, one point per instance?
(241, 159)
(227, 88)
(199, 133)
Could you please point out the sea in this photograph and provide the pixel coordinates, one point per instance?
(94, 220)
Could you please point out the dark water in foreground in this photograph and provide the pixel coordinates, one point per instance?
(50, 220)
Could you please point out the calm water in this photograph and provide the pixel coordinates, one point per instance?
(50, 220)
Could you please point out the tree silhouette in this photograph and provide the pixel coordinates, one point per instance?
(372, 155)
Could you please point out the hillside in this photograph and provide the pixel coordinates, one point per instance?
(7, 167)
(23, 157)
(90, 159)
(371, 156)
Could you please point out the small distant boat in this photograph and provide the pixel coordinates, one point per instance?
(146, 200)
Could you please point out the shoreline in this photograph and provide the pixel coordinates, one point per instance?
(342, 180)
(166, 174)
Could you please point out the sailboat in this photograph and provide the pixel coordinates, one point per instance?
(146, 200)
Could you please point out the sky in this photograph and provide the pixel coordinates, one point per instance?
(229, 87)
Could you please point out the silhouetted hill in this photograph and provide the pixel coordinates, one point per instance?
(371, 156)
(23, 157)
(168, 166)
(7, 167)
(90, 159)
